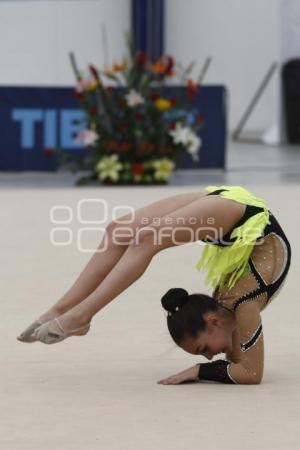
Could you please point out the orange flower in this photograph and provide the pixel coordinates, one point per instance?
(108, 71)
(163, 66)
(115, 68)
(158, 67)
(120, 67)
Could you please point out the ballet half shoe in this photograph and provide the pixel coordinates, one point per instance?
(28, 334)
(45, 335)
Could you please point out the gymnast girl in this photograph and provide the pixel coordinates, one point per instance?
(246, 260)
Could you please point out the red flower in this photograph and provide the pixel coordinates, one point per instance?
(201, 118)
(140, 152)
(111, 145)
(109, 89)
(78, 95)
(169, 66)
(125, 146)
(173, 101)
(93, 111)
(121, 103)
(124, 125)
(142, 58)
(164, 149)
(138, 169)
(139, 116)
(154, 96)
(144, 147)
(95, 73)
(48, 151)
(163, 67)
(192, 89)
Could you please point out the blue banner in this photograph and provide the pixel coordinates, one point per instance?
(33, 121)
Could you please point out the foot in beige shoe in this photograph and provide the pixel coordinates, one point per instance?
(28, 334)
(52, 332)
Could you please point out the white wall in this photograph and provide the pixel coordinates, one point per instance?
(36, 36)
(242, 36)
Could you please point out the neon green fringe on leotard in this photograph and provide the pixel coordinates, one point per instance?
(219, 262)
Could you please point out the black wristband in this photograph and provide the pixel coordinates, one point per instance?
(215, 371)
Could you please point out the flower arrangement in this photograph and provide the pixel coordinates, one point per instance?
(134, 133)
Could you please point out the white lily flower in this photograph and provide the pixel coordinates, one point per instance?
(180, 134)
(134, 98)
(186, 137)
(193, 146)
(87, 137)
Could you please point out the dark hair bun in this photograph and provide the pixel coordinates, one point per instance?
(174, 298)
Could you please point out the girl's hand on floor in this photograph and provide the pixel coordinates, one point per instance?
(190, 374)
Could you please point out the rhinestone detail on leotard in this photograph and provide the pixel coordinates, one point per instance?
(252, 341)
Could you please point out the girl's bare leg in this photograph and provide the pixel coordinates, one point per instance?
(103, 261)
(95, 271)
(138, 255)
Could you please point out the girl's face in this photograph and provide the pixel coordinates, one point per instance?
(216, 339)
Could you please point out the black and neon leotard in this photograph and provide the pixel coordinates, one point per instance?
(266, 272)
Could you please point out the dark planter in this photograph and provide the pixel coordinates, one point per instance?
(93, 180)
(133, 183)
